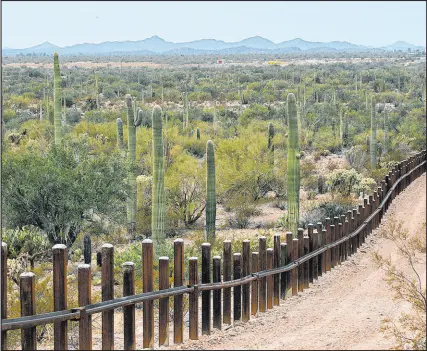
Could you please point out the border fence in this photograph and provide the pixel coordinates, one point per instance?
(259, 279)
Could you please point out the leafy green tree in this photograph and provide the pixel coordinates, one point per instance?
(63, 191)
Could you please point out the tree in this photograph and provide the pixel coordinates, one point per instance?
(63, 191)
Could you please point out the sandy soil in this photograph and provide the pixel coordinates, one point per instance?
(342, 310)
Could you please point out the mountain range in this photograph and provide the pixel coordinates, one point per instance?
(158, 46)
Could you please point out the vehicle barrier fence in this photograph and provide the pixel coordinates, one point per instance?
(259, 279)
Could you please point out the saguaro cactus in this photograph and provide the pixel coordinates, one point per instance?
(120, 142)
(198, 133)
(87, 249)
(385, 131)
(373, 135)
(57, 99)
(131, 203)
(158, 212)
(293, 166)
(210, 190)
(270, 135)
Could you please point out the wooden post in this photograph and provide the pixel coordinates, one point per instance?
(3, 291)
(206, 300)
(60, 294)
(206, 295)
(147, 286)
(336, 237)
(283, 262)
(328, 238)
(107, 292)
(346, 233)
(270, 281)
(306, 263)
(360, 220)
(295, 270)
(349, 230)
(374, 207)
(237, 290)
(276, 264)
(254, 287)
(164, 302)
(193, 303)
(289, 243)
(354, 227)
(84, 278)
(216, 277)
(28, 308)
(262, 267)
(226, 304)
(315, 267)
(370, 210)
(246, 252)
(310, 228)
(321, 242)
(332, 250)
(365, 214)
(178, 280)
(340, 250)
(301, 274)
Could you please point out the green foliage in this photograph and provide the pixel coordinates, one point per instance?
(255, 112)
(26, 240)
(62, 190)
(185, 185)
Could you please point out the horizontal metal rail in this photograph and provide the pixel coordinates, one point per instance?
(74, 314)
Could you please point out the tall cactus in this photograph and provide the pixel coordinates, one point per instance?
(57, 99)
(345, 133)
(270, 135)
(158, 213)
(210, 191)
(341, 125)
(87, 249)
(131, 201)
(385, 148)
(373, 135)
(120, 143)
(198, 133)
(293, 165)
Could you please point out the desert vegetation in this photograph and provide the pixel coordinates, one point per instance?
(118, 154)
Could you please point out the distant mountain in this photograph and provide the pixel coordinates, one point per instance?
(402, 45)
(158, 46)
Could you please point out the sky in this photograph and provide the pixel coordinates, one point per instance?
(64, 23)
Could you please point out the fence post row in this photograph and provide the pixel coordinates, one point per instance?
(248, 298)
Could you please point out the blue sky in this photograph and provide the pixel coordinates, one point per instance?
(63, 23)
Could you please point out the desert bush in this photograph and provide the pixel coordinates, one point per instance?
(409, 331)
(357, 158)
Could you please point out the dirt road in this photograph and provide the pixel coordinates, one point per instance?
(342, 310)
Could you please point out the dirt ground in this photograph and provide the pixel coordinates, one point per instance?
(342, 310)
